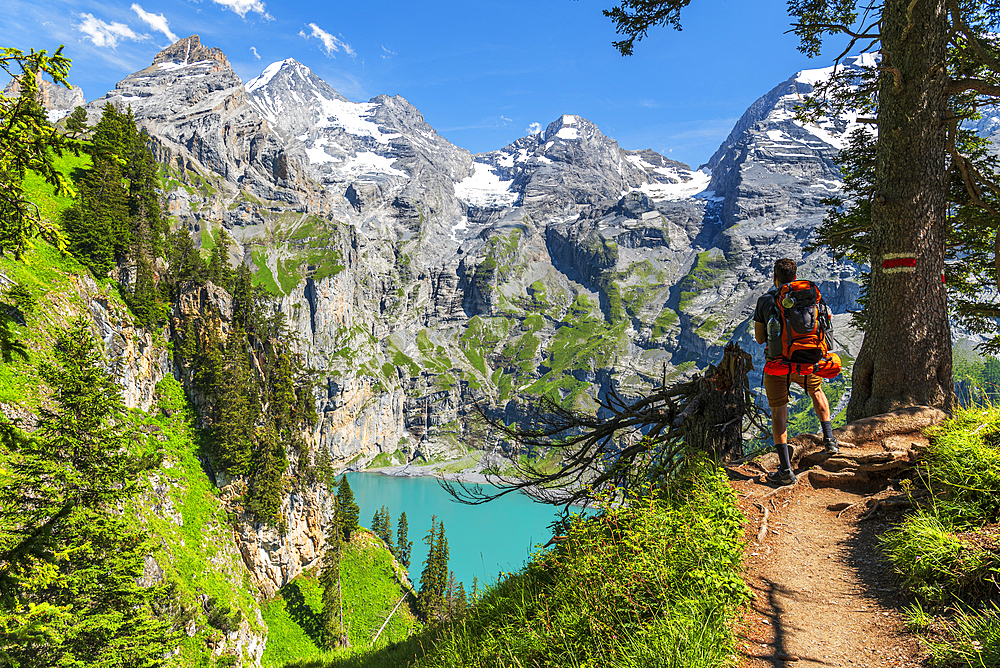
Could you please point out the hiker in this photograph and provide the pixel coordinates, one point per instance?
(776, 386)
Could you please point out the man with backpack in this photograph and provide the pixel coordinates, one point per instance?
(798, 320)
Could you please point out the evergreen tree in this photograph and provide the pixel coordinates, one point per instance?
(431, 601)
(382, 527)
(144, 299)
(70, 560)
(347, 510)
(224, 371)
(267, 485)
(76, 122)
(403, 546)
(29, 142)
(220, 271)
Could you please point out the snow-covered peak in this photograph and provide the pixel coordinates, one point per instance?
(566, 127)
(269, 73)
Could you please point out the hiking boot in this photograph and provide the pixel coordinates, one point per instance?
(830, 446)
(782, 477)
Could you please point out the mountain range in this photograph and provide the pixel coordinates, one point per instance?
(420, 279)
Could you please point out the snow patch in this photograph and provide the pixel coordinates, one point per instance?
(353, 118)
(568, 133)
(485, 189)
(317, 156)
(461, 226)
(694, 188)
(368, 163)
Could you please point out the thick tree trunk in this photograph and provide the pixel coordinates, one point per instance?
(906, 355)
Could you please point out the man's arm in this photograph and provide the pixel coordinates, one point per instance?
(760, 332)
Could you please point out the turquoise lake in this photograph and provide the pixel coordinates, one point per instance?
(482, 540)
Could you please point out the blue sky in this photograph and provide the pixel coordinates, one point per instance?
(481, 71)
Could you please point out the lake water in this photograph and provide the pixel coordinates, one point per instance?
(482, 540)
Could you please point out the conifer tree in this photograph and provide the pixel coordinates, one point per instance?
(403, 546)
(267, 485)
(434, 578)
(76, 122)
(68, 572)
(347, 510)
(382, 527)
(29, 142)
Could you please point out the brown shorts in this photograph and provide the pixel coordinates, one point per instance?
(776, 387)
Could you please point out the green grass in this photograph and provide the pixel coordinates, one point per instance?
(707, 274)
(664, 323)
(50, 205)
(198, 555)
(654, 583)
(947, 553)
(371, 591)
(264, 277)
(50, 277)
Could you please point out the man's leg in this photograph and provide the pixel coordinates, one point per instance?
(776, 389)
(820, 404)
(779, 429)
(822, 407)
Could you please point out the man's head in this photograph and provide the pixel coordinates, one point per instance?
(784, 271)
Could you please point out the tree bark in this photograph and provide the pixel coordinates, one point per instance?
(906, 355)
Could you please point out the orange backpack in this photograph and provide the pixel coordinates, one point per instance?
(805, 319)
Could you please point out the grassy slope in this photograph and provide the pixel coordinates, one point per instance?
(371, 590)
(653, 584)
(38, 191)
(948, 552)
(199, 556)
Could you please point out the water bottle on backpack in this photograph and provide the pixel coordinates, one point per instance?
(773, 338)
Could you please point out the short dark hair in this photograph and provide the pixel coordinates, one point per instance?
(784, 270)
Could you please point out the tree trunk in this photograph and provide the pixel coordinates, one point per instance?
(906, 355)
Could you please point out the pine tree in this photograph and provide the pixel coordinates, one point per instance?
(434, 579)
(68, 595)
(76, 122)
(403, 546)
(382, 527)
(347, 510)
(29, 142)
(427, 597)
(267, 485)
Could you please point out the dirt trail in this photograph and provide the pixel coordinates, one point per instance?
(824, 593)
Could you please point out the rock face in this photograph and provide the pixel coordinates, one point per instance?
(58, 101)
(194, 107)
(420, 279)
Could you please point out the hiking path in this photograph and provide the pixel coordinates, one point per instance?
(824, 593)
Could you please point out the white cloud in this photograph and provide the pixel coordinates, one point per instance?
(155, 21)
(505, 119)
(241, 7)
(534, 129)
(255, 54)
(330, 43)
(387, 53)
(106, 34)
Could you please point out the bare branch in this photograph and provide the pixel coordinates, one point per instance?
(643, 441)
